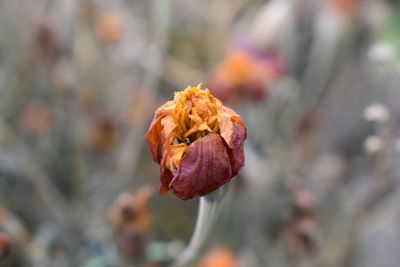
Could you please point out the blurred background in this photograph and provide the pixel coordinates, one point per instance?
(315, 81)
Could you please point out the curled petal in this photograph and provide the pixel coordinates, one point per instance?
(169, 163)
(165, 179)
(169, 130)
(204, 168)
(173, 155)
(153, 136)
(227, 119)
(236, 152)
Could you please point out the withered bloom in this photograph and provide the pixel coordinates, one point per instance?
(245, 74)
(110, 27)
(131, 221)
(219, 256)
(198, 143)
(131, 211)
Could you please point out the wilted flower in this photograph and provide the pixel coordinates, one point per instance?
(300, 227)
(47, 42)
(219, 257)
(198, 143)
(36, 119)
(4, 246)
(345, 7)
(245, 73)
(131, 210)
(104, 134)
(131, 220)
(110, 27)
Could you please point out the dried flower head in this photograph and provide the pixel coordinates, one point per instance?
(131, 221)
(103, 137)
(219, 257)
(300, 225)
(36, 119)
(47, 42)
(130, 211)
(242, 73)
(198, 143)
(110, 27)
(345, 7)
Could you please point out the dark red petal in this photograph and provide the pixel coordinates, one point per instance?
(236, 154)
(204, 168)
(165, 179)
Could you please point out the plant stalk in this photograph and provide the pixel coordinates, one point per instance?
(209, 208)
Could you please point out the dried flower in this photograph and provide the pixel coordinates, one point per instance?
(4, 246)
(36, 119)
(103, 137)
(300, 226)
(345, 7)
(198, 143)
(130, 211)
(243, 73)
(219, 257)
(47, 41)
(131, 220)
(110, 27)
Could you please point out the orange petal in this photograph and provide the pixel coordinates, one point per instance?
(227, 118)
(169, 130)
(173, 155)
(169, 164)
(204, 168)
(219, 257)
(153, 136)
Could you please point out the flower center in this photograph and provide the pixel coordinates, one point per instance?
(195, 114)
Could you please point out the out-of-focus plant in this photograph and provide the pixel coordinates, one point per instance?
(198, 143)
(131, 220)
(5, 246)
(218, 256)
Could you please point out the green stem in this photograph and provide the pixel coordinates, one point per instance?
(209, 208)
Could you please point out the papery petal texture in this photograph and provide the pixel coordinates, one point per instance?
(236, 151)
(203, 169)
(198, 143)
(227, 118)
(154, 136)
(165, 179)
